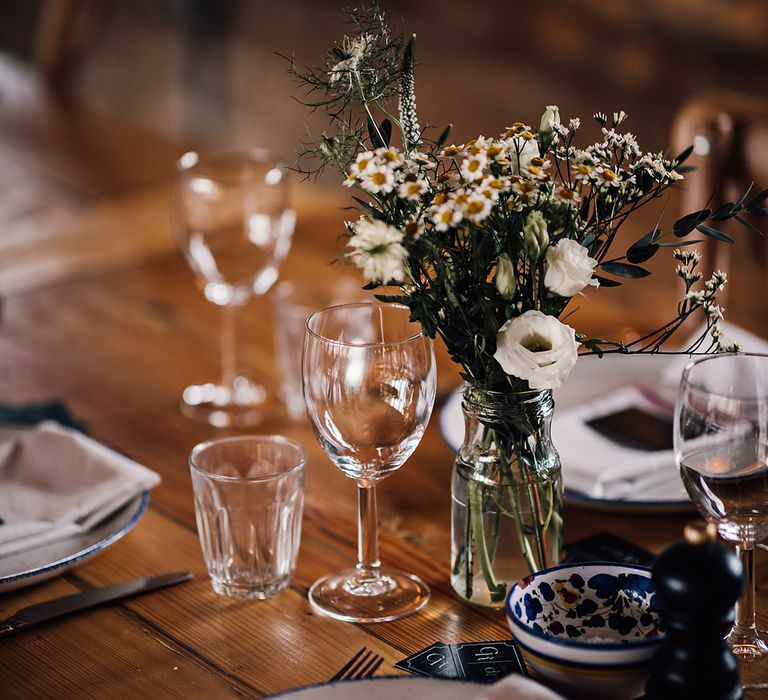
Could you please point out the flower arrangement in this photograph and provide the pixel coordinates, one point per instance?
(487, 242)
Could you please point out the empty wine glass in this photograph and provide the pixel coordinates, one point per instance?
(721, 445)
(369, 386)
(234, 225)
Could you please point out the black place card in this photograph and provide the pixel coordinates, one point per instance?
(606, 546)
(482, 662)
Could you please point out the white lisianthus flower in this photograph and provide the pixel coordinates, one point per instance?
(522, 150)
(569, 268)
(505, 276)
(378, 251)
(535, 234)
(550, 119)
(537, 348)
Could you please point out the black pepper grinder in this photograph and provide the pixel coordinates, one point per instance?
(697, 584)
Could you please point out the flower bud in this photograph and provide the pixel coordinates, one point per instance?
(505, 276)
(535, 234)
(550, 119)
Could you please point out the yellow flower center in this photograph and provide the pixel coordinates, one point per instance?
(533, 170)
(461, 199)
(609, 175)
(475, 207)
(527, 135)
(450, 151)
(565, 193)
(378, 178)
(538, 162)
(440, 197)
(584, 169)
(413, 188)
(390, 156)
(446, 216)
(495, 184)
(473, 166)
(492, 151)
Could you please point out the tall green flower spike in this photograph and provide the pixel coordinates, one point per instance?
(408, 119)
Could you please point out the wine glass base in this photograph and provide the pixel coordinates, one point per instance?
(241, 405)
(352, 597)
(747, 648)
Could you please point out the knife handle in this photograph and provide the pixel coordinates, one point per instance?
(6, 628)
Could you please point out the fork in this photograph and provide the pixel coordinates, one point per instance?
(362, 665)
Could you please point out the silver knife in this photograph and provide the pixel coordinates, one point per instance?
(42, 612)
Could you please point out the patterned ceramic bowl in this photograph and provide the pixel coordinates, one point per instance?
(590, 628)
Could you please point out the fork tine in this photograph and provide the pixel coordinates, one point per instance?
(343, 670)
(378, 660)
(357, 670)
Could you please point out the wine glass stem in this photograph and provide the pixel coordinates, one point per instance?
(228, 345)
(367, 532)
(745, 607)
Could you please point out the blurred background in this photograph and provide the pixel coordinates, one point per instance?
(99, 97)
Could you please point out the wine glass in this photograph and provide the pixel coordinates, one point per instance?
(721, 446)
(234, 225)
(369, 387)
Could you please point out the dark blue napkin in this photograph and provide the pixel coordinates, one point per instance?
(34, 413)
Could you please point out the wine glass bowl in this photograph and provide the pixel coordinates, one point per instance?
(234, 225)
(721, 446)
(369, 387)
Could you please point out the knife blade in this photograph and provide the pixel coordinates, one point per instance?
(58, 607)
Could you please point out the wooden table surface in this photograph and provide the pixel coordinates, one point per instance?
(106, 318)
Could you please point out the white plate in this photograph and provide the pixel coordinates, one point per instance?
(41, 563)
(394, 688)
(591, 378)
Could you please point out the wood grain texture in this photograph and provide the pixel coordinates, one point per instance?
(118, 341)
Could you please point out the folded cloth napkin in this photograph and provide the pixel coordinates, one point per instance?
(600, 467)
(56, 482)
(519, 688)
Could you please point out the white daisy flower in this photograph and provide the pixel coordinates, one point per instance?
(363, 162)
(492, 187)
(378, 251)
(452, 151)
(608, 177)
(412, 189)
(445, 216)
(477, 208)
(565, 195)
(472, 168)
(378, 180)
(389, 157)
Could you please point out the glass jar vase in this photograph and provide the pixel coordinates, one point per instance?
(506, 494)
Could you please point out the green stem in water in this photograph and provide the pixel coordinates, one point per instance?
(476, 516)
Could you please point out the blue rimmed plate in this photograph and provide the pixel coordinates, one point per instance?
(41, 563)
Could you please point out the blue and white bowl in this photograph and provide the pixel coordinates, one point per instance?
(590, 629)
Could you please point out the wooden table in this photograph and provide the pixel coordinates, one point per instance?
(117, 336)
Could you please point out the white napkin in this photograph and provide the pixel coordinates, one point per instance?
(599, 467)
(518, 688)
(56, 482)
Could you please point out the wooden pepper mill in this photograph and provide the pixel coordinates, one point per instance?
(697, 584)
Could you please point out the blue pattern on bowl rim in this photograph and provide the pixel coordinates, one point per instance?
(566, 609)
